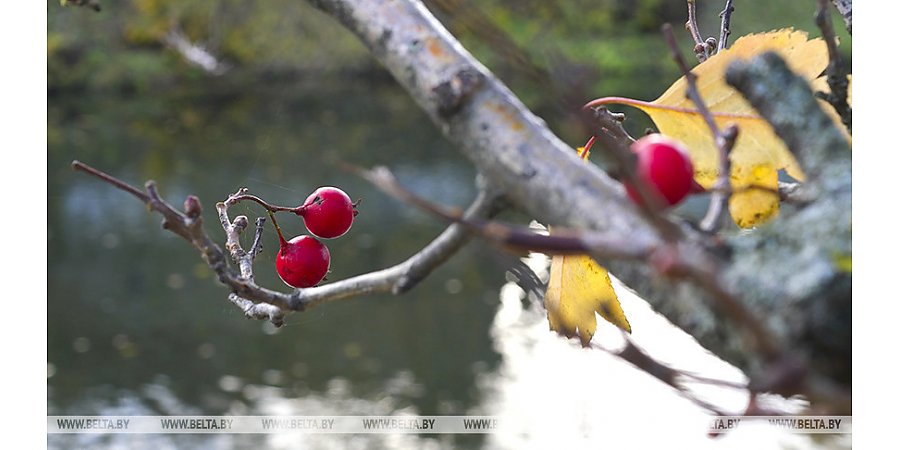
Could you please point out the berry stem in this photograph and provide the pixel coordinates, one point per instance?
(281, 241)
(586, 150)
(269, 207)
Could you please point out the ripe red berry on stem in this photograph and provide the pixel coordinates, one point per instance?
(664, 167)
(301, 262)
(328, 212)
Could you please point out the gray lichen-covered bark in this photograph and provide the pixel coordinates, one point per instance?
(784, 272)
(807, 296)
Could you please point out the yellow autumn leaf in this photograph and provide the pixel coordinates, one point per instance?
(578, 288)
(758, 153)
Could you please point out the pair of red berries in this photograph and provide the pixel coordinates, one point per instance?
(304, 261)
(664, 167)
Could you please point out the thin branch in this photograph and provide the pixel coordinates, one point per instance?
(256, 247)
(261, 303)
(542, 176)
(724, 140)
(713, 219)
(702, 48)
(637, 357)
(703, 269)
(118, 184)
(676, 259)
(515, 238)
(725, 29)
(242, 195)
(836, 71)
(692, 92)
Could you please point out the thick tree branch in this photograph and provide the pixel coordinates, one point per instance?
(812, 304)
(546, 179)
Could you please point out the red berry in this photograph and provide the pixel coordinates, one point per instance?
(328, 212)
(302, 262)
(663, 165)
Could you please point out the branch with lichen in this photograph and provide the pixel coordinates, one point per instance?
(544, 178)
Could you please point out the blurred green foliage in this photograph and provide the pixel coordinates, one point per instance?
(554, 55)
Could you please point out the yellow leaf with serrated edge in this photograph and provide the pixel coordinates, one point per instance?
(578, 288)
(758, 153)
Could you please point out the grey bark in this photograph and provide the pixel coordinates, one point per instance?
(779, 271)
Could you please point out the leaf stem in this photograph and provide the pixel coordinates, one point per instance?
(644, 105)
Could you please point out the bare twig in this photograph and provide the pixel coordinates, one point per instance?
(256, 247)
(261, 303)
(725, 30)
(719, 201)
(677, 259)
(703, 269)
(702, 48)
(836, 71)
(515, 238)
(242, 195)
(692, 92)
(667, 374)
(724, 140)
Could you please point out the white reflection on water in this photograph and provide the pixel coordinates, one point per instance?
(548, 391)
(553, 394)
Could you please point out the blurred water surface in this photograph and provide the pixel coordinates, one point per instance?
(136, 322)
